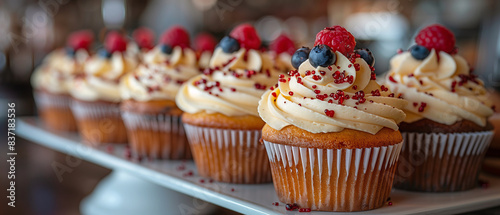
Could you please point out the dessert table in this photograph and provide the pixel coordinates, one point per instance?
(140, 183)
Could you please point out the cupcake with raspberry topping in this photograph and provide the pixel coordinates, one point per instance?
(96, 95)
(204, 45)
(152, 119)
(446, 124)
(331, 131)
(52, 81)
(281, 51)
(143, 41)
(221, 119)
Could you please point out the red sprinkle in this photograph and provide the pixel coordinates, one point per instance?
(392, 79)
(290, 93)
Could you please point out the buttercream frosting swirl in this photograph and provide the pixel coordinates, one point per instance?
(440, 87)
(232, 87)
(58, 70)
(102, 78)
(330, 99)
(161, 75)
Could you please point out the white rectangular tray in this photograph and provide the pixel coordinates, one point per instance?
(247, 199)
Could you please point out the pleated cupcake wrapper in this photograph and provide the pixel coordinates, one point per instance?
(333, 179)
(157, 136)
(99, 122)
(438, 162)
(55, 111)
(84, 110)
(46, 100)
(233, 156)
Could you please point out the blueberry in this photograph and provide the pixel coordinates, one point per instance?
(419, 52)
(366, 55)
(104, 53)
(70, 51)
(229, 44)
(166, 49)
(322, 55)
(300, 56)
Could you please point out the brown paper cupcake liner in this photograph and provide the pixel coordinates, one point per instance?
(438, 162)
(233, 156)
(54, 110)
(99, 122)
(159, 136)
(333, 179)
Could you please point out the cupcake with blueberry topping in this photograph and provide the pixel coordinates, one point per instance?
(331, 130)
(96, 95)
(52, 81)
(221, 119)
(446, 124)
(152, 119)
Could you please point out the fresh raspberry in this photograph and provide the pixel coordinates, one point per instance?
(283, 44)
(144, 37)
(338, 38)
(115, 42)
(80, 39)
(437, 37)
(176, 36)
(205, 42)
(247, 36)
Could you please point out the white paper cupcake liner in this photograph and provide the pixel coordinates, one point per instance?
(45, 100)
(333, 179)
(437, 162)
(234, 156)
(55, 110)
(157, 136)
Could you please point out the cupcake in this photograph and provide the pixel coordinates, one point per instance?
(446, 130)
(220, 110)
(331, 131)
(96, 95)
(52, 81)
(281, 50)
(152, 119)
(143, 41)
(204, 45)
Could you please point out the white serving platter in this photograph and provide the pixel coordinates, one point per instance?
(246, 199)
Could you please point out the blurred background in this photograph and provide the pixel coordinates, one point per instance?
(29, 29)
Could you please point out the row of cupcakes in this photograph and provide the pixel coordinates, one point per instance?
(330, 131)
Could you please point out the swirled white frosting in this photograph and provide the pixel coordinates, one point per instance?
(307, 99)
(233, 87)
(160, 76)
(443, 83)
